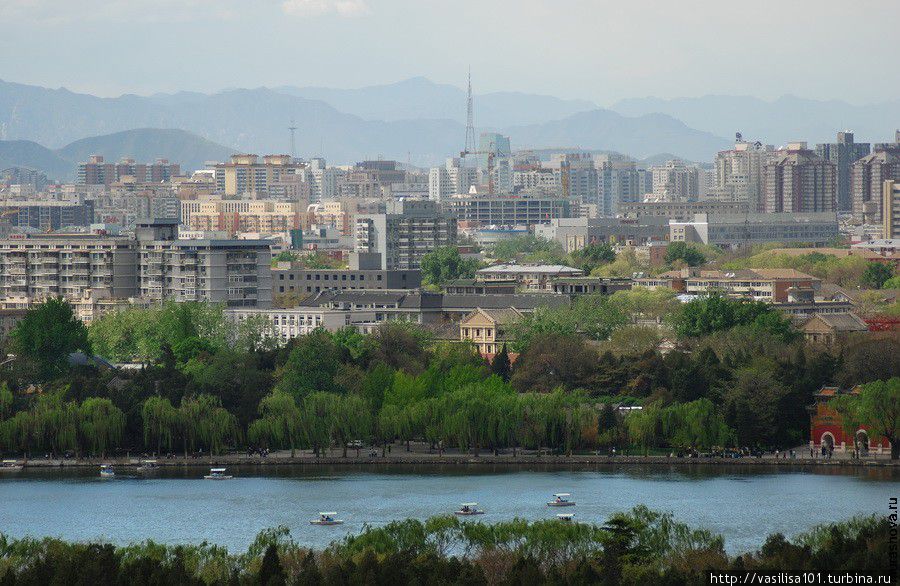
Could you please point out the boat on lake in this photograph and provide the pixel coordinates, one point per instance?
(561, 499)
(217, 474)
(147, 466)
(566, 517)
(468, 509)
(107, 471)
(326, 518)
(10, 466)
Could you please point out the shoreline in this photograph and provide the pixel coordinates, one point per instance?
(456, 460)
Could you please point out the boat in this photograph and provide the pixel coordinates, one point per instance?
(561, 499)
(326, 518)
(147, 466)
(10, 466)
(107, 471)
(565, 517)
(468, 509)
(217, 474)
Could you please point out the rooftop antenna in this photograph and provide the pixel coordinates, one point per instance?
(470, 118)
(292, 128)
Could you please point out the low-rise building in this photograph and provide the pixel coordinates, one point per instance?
(743, 230)
(590, 285)
(830, 330)
(303, 280)
(530, 277)
(769, 285)
(827, 428)
(488, 328)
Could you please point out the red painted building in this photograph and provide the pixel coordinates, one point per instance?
(826, 427)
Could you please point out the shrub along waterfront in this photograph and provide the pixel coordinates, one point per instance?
(638, 547)
(737, 375)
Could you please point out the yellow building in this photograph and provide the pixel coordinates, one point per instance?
(246, 174)
(235, 216)
(487, 328)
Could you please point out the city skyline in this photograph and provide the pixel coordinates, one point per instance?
(608, 53)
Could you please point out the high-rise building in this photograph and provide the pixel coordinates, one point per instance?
(371, 179)
(843, 154)
(867, 177)
(96, 171)
(797, 180)
(739, 174)
(890, 207)
(247, 174)
(676, 181)
(451, 179)
(578, 178)
(404, 233)
(621, 182)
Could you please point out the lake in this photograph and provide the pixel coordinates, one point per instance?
(742, 503)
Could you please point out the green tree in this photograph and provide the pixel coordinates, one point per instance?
(352, 420)
(706, 315)
(593, 255)
(684, 252)
(160, 420)
(102, 424)
(892, 283)
(876, 274)
(317, 416)
(501, 364)
(279, 422)
(47, 334)
(877, 406)
(311, 365)
(445, 264)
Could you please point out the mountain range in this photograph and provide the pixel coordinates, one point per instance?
(777, 122)
(144, 144)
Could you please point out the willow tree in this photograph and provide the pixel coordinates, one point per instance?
(16, 433)
(102, 424)
(217, 427)
(352, 420)
(6, 401)
(279, 422)
(160, 422)
(643, 425)
(317, 417)
(876, 406)
(388, 424)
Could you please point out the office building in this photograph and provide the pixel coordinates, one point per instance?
(404, 233)
(485, 209)
(741, 230)
(305, 281)
(843, 154)
(452, 179)
(576, 233)
(235, 216)
(680, 210)
(797, 180)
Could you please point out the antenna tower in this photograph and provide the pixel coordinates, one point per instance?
(293, 129)
(470, 118)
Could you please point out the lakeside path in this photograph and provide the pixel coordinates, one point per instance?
(420, 456)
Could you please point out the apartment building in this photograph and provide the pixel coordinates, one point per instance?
(47, 214)
(247, 174)
(797, 180)
(451, 179)
(842, 154)
(867, 177)
(675, 181)
(96, 171)
(739, 175)
(891, 210)
(236, 216)
(404, 233)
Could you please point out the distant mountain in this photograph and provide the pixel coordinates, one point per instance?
(640, 136)
(145, 145)
(31, 155)
(419, 98)
(256, 120)
(148, 144)
(777, 122)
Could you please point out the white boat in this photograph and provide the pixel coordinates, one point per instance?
(147, 466)
(107, 471)
(217, 474)
(468, 509)
(326, 518)
(565, 517)
(10, 466)
(561, 499)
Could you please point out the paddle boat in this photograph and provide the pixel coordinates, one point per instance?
(468, 509)
(565, 517)
(217, 474)
(326, 518)
(147, 466)
(10, 466)
(107, 471)
(561, 499)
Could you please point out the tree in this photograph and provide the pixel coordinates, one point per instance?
(47, 334)
(877, 406)
(317, 416)
(892, 283)
(102, 424)
(160, 422)
(445, 264)
(593, 255)
(876, 274)
(706, 315)
(311, 365)
(501, 364)
(279, 422)
(352, 420)
(555, 361)
(682, 251)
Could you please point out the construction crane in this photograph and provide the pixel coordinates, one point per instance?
(490, 164)
(470, 148)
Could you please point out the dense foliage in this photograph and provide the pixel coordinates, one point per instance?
(638, 547)
(445, 264)
(733, 374)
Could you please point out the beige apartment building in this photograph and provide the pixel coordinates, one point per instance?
(247, 174)
(238, 215)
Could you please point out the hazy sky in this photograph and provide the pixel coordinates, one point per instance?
(599, 50)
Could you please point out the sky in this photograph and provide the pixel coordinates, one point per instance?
(598, 50)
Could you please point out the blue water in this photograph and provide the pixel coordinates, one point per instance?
(744, 504)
